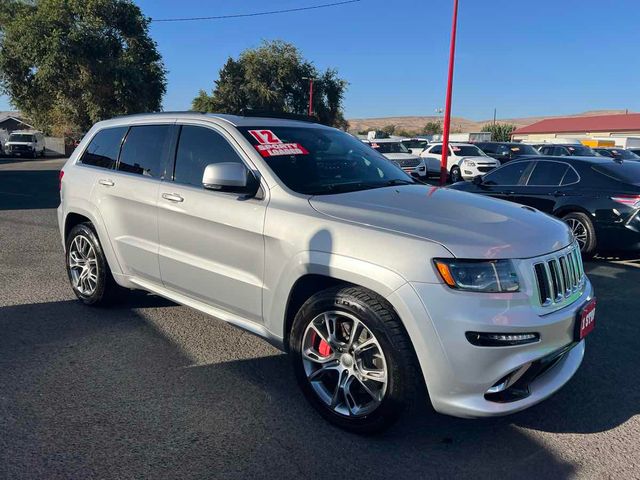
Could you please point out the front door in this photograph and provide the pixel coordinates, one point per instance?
(211, 243)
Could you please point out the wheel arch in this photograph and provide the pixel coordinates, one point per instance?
(567, 209)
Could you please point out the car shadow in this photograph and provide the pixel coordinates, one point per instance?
(107, 393)
(29, 189)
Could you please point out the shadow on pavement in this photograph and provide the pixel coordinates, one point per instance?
(29, 189)
(91, 392)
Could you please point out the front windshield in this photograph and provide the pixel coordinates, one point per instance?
(389, 147)
(623, 154)
(321, 161)
(20, 137)
(581, 151)
(517, 150)
(467, 151)
(422, 144)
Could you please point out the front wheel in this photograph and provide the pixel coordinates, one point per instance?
(583, 231)
(353, 359)
(455, 174)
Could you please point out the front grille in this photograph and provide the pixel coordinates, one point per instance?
(409, 163)
(558, 278)
(485, 169)
(20, 148)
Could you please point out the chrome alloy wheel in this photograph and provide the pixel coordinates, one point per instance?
(579, 231)
(83, 265)
(344, 363)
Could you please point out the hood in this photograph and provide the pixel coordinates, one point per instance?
(478, 158)
(401, 156)
(468, 225)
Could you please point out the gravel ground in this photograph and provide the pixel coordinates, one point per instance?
(150, 389)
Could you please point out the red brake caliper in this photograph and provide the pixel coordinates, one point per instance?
(323, 347)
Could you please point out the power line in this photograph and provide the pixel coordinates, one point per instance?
(254, 14)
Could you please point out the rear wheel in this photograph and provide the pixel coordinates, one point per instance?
(455, 174)
(87, 267)
(583, 231)
(353, 359)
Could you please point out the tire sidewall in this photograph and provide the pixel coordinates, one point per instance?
(455, 174)
(590, 245)
(87, 232)
(394, 399)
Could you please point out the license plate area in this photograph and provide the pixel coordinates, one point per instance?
(585, 320)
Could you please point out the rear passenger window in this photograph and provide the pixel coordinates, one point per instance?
(144, 150)
(104, 148)
(547, 173)
(197, 148)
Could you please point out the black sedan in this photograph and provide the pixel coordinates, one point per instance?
(598, 198)
(617, 153)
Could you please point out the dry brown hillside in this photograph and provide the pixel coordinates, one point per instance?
(415, 124)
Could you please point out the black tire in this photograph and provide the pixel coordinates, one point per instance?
(582, 227)
(454, 174)
(35, 154)
(106, 288)
(403, 373)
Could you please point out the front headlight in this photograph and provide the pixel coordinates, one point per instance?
(490, 276)
(470, 163)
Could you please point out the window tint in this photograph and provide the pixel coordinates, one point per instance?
(197, 148)
(508, 175)
(144, 150)
(546, 150)
(437, 150)
(104, 148)
(547, 173)
(627, 172)
(570, 177)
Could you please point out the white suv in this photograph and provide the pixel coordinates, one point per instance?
(303, 235)
(465, 161)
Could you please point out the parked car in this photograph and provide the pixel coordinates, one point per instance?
(616, 153)
(598, 199)
(464, 162)
(397, 152)
(634, 150)
(567, 150)
(507, 151)
(377, 285)
(4, 137)
(415, 145)
(25, 143)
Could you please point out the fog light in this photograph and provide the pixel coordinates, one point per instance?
(481, 339)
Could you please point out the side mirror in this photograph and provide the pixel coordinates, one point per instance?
(228, 177)
(477, 180)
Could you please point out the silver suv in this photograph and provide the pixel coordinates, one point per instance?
(378, 286)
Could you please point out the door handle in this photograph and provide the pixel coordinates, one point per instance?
(106, 182)
(558, 193)
(173, 197)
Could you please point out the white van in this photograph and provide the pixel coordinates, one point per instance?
(25, 143)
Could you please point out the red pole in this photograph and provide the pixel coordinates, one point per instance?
(447, 109)
(311, 97)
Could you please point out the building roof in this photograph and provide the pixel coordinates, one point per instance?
(17, 116)
(596, 123)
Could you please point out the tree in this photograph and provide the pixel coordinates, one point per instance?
(389, 129)
(432, 128)
(271, 78)
(500, 132)
(70, 63)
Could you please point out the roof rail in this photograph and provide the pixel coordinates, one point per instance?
(170, 112)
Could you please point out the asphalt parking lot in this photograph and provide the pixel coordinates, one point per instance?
(151, 389)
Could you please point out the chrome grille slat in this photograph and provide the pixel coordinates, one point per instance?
(559, 278)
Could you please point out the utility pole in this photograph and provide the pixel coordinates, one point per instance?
(495, 110)
(311, 79)
(447, 108)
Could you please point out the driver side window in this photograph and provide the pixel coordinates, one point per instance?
(437, 150)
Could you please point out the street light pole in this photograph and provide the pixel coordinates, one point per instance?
(447, 109)
(311, 79)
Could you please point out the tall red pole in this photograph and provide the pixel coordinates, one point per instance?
(311, 97)
(447, 108)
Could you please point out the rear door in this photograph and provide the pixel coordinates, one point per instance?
(543, 187)
(211, 242)
(127, 198)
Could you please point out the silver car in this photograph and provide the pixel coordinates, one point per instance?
(376, 285)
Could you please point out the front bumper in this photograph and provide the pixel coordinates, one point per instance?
(458, 374)
(468, 173)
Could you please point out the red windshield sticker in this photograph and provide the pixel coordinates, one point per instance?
(375, 145)
(455, 149)
(265, 137)
(279, 149)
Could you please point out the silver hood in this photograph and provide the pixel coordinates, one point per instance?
(468, 225)
(401, 156)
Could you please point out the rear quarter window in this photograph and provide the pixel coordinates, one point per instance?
(104, 148)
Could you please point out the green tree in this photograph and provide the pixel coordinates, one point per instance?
(271, 78)
(70, 63)
(500, 132)
(432, 128)
(389, 129)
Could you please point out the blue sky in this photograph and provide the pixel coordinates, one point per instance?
(532, 57)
